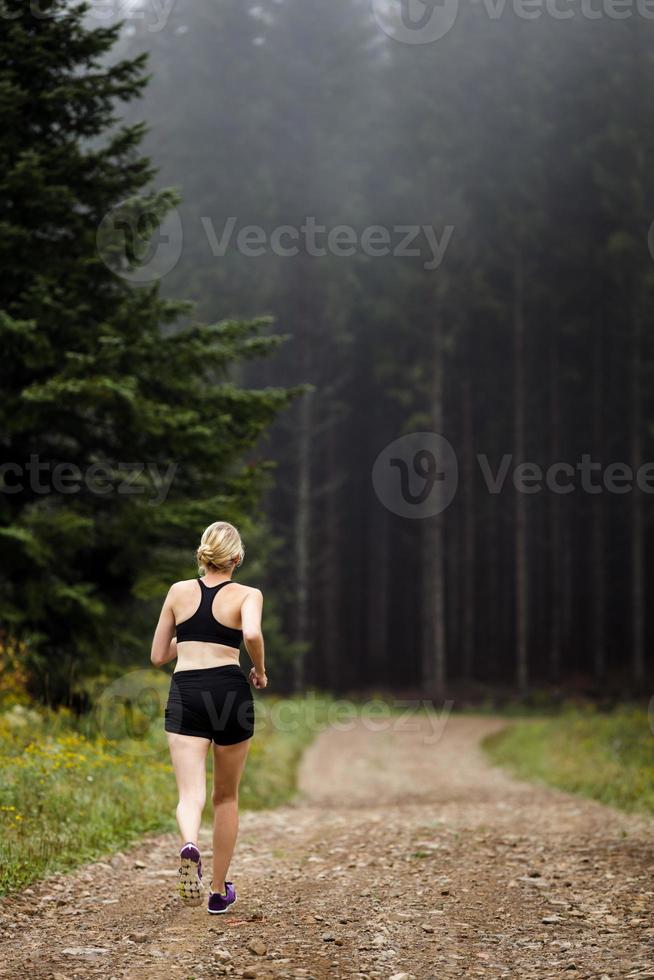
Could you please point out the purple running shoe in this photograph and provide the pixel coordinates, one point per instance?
(220, 903)
(190, 875)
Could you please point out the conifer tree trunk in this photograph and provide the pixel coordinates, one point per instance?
(331, 557)
(469, 541)
(555, 502)
(301, 536)
(637, 515)
(433, 558)
(379, 571)
(493, 580)
(598, 550)
(521, 569)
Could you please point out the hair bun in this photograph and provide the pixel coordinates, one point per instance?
(220, 547)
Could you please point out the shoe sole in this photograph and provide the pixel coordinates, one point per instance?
(222, 911)
(190, 887)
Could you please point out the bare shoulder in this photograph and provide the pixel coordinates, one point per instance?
(248, 591)
(182, 587)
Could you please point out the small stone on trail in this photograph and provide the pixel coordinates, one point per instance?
(140, 864)
(401, 976)
(258, 947)
(138, 937)
(427, 928)
(327, 937)
(221, 955)
(249, 973)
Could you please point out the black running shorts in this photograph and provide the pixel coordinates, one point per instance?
(211, 702)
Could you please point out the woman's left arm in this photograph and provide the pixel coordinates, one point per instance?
(164, 643)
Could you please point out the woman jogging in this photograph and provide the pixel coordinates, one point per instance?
(202, 624)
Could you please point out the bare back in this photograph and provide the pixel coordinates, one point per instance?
(226, 608)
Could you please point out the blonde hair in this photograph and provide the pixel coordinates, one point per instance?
(220, 547)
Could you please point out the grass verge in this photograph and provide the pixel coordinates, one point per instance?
(74, 790)
(606, 756)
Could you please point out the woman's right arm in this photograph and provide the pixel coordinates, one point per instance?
(164, 647)
(253, 637)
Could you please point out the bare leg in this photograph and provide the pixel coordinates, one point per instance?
(228, 764)
(189, 756)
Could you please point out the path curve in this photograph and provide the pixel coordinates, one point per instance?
(405, 855)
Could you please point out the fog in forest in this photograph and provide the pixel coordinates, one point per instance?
(447, 212)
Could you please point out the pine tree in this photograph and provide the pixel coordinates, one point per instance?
(96, 370)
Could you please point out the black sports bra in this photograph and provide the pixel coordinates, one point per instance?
(203, 625)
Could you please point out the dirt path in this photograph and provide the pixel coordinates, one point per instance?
(404, 857)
